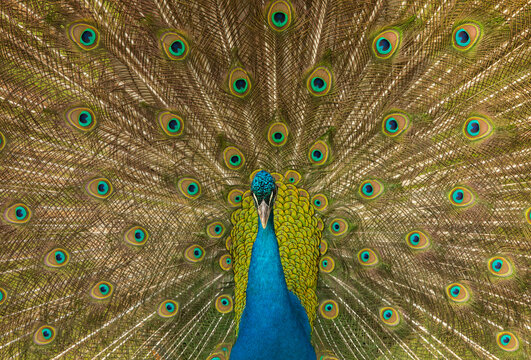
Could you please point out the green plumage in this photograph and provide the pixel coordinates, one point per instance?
(129, 130)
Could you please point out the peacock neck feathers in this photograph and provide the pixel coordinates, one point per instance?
(274, 324)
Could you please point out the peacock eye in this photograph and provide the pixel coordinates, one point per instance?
(338, 226)
(56, 258)
(235, 197)
(3, 296)
(507, 341)
(233, 158)
(101, 290)
(168, 308)
(194, 253)
(371, 189)
(279, 16)
(215, 230)
(318, 153)
(367, 257)
(225, 262)
(457, 293)
(17, 214)
(319, 82)
(395, 124)
(386, 43)
(329, 309)
(461, 196)
(99, 188)
(389, 316)
(224, 304)
(500, 266)
(293, 177)
(171, 123)
(174, 45)
(84, 35)
(81, 118)
(319, 202)
(136, 236)
(239, 82)
(466, 36)
(327, 264)
(477, 128)
(189, 187)
(277, 134)
(417, 240)
(44, 335)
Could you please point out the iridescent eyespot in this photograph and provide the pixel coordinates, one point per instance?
(225, 262)
(84, 35)
(239, 83)
(318, 153)
(461, 196)
(329, 309)
(136, 236)
(278, 177)
(319, 82)
(417, 240)
(189, 187)
(2, 141)
(168, 308)
(500, 266)
(326, 264)
(101, 290)
(57, 258)
(3, 296)
(171, 124)
(279, 15)
(465, 36)
(389, 316)
(457, 292)
(528, 215)
(100, 188)
(507, 341)
(323, 247)
(194, 253)
(277, 134)
(371, 189)
(17, 214)
(215, 230)
(385, 44)
(233, 158)
(235, 197)
(477, 128)
(338, 226)
(367, 257)
(292, 177)
(319, 202)
(44, 335)
(174, 45)
(81, 118)
(395, 124)
(224, 304)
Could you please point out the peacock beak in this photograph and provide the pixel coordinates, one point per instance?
(263, 212)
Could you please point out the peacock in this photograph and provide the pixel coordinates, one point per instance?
(265, 179)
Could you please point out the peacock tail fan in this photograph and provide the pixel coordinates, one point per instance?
(397, 132)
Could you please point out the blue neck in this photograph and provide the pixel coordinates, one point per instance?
(274, 325)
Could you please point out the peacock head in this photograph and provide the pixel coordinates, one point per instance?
(264, 191)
